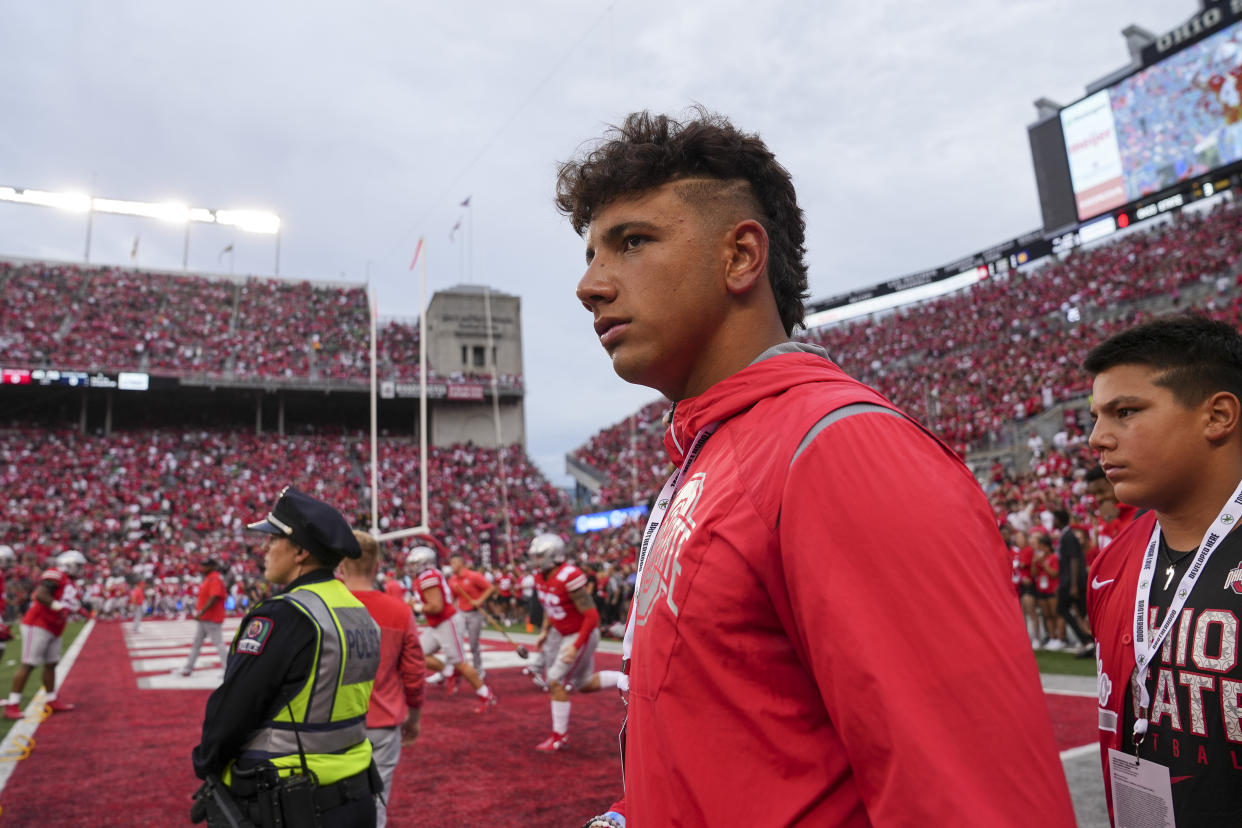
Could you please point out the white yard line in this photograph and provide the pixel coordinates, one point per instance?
(1083, 694)
(26, 726)
(1081, 750)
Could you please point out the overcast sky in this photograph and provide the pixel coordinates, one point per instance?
(365, 125)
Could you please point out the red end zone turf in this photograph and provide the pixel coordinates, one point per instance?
(122, 758)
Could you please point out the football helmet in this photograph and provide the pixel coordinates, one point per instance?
(421, 558)
(70, 561)
(7, 555)
(546, 549)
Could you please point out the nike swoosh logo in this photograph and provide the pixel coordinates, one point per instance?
(1096, 583)
(1177, 779)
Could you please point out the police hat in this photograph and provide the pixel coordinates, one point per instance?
(312, 525)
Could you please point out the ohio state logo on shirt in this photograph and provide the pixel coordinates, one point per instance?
(1234, 580)
(662, 568)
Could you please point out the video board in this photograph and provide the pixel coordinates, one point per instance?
(1167, 123)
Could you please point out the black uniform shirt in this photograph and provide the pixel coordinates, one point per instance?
(269, 661)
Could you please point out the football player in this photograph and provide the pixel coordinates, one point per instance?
(570, 633)
(445, 630)
(42, 628)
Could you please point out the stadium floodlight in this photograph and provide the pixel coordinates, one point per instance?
(250, 221)
(74, 202)
(169, 211)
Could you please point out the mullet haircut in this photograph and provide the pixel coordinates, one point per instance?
(1197, 357)
(648, 151)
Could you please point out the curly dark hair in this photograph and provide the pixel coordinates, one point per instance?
(647, 151)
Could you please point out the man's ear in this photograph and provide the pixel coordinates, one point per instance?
(746, 260)
(1223, 414)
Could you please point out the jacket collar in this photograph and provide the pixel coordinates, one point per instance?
(772, 372)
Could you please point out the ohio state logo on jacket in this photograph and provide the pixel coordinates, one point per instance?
(661, 569)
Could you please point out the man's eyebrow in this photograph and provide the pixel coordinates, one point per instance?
(616, 232)
(1117, 402)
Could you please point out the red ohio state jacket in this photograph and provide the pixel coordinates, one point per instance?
(792, 661)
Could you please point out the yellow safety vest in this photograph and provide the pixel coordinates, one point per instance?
(330, 710)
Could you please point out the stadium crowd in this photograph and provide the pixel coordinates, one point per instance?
(149, 504)
(107, 318)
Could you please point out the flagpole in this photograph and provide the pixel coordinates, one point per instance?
(470, 233)
(90, 218)
(422, 394)
(500, 452)
(373, 307)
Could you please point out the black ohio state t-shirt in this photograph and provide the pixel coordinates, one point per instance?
(1195, 720)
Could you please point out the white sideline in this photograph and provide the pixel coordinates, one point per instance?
(1081, 750)
(27, 725)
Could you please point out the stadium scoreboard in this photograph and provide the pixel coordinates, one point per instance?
(122, 380)
(1165, 135)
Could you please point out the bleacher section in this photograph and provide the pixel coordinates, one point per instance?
(70, 317)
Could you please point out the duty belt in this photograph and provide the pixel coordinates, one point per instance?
(246, 791)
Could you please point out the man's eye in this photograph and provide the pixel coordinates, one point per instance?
(631, 242)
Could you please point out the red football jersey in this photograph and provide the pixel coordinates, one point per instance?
(431, 579)
(40, 616)
(554, 595)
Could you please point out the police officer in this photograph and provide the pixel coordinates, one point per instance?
(286, 731)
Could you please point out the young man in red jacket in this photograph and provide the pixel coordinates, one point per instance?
(1165, 596)
(397, 697)
(787, 664)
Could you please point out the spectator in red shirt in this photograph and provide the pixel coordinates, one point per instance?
(1113, 516)
(209, 614)
(471, 590)
(397, 696)
(138, 603)
(394, 587)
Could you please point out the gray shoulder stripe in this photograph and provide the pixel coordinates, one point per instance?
(837, 416)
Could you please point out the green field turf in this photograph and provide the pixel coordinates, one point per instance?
(9, 663)
(1064, 663)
